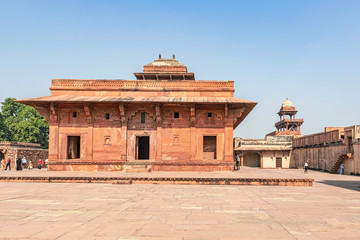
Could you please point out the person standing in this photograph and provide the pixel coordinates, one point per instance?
(8, 163)
(342, 169)
(306, 167)
(237, 162)
(24, 162)
(30, 167)
(18, 164)
(40, 162)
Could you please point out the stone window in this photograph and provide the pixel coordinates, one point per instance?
(107, 115)
(74, 114)
(209, 115)
(142, 117)
(176, 114)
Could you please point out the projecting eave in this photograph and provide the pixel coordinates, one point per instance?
(139, 99)
(233, 103)
(248, 107)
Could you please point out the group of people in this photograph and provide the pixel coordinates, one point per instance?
(21, 163)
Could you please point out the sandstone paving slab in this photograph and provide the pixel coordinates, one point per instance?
(103, 211)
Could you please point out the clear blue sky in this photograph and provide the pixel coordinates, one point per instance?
(308, 51)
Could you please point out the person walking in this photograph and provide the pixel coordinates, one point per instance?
(8, 164)
(306, 167)
(24, 162)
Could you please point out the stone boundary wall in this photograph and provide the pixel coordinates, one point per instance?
(32, 152)
(318, 139)
(320, 158)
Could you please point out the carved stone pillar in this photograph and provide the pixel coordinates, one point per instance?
(193, 142)
(158, 133)
(53, 120)
(231, 116)
(229, 150)
(123, 140)
(89, 138)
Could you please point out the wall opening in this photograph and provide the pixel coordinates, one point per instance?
(279, 162)
(349, 141)
(209, 147)
(142, 117)
(142, 147)
(252, 160)
(73, 147)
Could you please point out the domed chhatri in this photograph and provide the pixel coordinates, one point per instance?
(287, 103)
(288, 125)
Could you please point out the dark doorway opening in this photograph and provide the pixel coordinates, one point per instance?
(252, 159)
(73, 147)
(143, 147)
(278, 162)
(209, 147)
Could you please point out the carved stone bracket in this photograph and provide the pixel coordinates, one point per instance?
(53, 114)
(192, 114)
(87, 113)
(122, 113)
(235, 114)
(44, 111)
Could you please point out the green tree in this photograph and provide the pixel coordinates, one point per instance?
(2, 129)
(23, 123)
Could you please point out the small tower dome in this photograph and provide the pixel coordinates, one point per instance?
(287, 103)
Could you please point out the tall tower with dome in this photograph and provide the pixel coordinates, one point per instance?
(288, 125)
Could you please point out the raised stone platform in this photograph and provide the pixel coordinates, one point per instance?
(246, 176)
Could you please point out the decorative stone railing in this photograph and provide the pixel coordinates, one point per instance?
(98, 84)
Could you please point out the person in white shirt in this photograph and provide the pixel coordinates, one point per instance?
(306, 167)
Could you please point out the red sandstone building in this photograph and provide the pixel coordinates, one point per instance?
(165, 120)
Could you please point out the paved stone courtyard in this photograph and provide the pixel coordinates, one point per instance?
(328, 210)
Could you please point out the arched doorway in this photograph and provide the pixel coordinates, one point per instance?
(2, 155)
(252, 159)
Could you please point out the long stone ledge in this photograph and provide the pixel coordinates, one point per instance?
(164, 180)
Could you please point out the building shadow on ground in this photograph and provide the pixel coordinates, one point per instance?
(351, 185)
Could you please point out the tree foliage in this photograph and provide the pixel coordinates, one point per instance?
(22, 123)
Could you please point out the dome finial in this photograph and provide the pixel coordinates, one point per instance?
(159, 55)
(173, 56)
